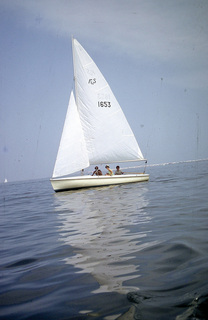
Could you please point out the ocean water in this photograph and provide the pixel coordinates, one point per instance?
(136, 251)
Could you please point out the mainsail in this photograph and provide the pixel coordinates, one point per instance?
(108, 135)
(95, 130)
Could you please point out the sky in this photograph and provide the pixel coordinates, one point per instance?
(153, 53)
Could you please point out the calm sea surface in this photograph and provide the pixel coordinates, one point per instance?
(136, 251)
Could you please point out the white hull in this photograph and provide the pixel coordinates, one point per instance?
(61, 184)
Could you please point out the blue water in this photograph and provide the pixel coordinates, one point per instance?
(136, 251)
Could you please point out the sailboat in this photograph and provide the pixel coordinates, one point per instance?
(95, 131)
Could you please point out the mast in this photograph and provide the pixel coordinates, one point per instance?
(74, 68)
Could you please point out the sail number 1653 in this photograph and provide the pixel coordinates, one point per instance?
(105, 104)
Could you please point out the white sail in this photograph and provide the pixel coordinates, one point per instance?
(72, 154)
(108, 135)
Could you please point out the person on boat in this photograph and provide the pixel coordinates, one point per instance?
(110, 172)
(97, 172)
(118, 171)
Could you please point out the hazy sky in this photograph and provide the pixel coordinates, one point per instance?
(153, 53)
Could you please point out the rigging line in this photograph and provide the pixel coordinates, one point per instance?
(36, 151)
(132, 167)
(145, 166)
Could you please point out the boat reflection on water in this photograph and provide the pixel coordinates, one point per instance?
(104, 228)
